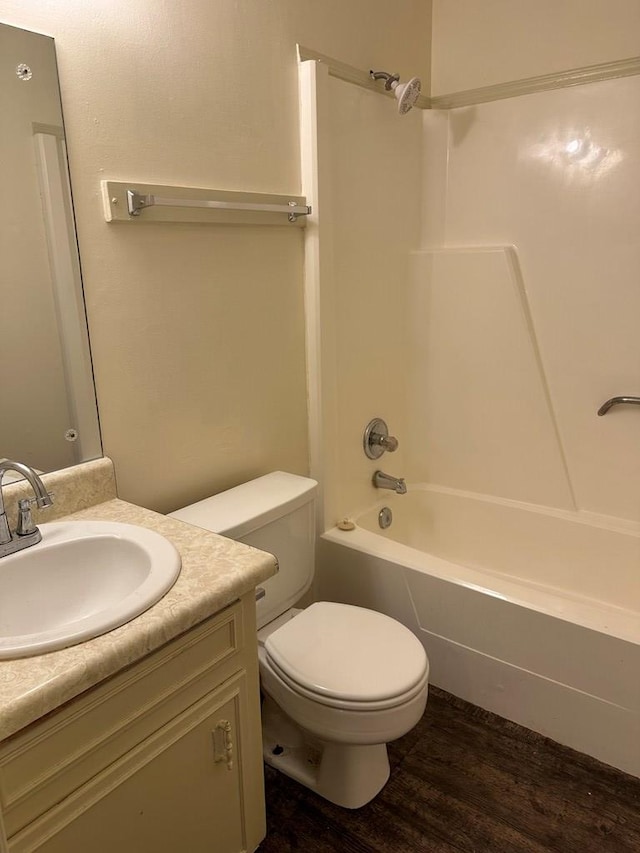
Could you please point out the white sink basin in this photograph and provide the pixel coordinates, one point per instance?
(84, 579)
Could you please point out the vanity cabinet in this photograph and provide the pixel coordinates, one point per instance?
(163, 757)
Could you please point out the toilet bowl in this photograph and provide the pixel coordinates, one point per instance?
(338, 681)
(330, 713)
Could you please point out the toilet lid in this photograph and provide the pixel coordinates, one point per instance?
(347, 652)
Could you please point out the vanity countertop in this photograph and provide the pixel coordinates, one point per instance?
(215, 572)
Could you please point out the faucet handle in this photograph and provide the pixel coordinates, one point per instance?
(25, 525)
(376, 439)
(41, 503)
(389, 442)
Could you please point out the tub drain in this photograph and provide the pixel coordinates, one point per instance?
(385, 517)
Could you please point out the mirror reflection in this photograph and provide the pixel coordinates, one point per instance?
(48, 414)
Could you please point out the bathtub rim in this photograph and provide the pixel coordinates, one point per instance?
(604, 618)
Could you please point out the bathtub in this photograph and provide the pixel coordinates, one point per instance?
(530, 612)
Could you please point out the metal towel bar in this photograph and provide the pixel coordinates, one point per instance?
(137, 202)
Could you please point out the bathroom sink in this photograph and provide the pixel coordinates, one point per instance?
(83, 579)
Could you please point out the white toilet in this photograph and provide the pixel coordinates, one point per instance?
(339, 681)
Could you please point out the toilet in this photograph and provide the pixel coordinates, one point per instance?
(339, 682)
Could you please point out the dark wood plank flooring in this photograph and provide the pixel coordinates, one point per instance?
(467, 781)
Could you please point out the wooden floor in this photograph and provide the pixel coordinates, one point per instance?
(466, 780)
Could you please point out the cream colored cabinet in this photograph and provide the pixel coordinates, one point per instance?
(165, 756)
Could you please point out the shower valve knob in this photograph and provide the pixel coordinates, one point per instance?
(389, 442)
(376, 439)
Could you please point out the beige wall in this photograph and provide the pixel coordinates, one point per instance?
(483, 43)
(197, 331)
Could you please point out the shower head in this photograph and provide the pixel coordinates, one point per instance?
(406, 93)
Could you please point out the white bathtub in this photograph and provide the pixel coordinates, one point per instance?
(529, 612)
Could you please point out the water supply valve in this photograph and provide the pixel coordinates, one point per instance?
(376, 439)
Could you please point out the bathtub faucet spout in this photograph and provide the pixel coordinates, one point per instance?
(386, 481)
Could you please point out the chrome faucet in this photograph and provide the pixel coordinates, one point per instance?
(386, 481)
(26, 533)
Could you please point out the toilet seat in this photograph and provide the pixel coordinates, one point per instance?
(345, 704)
(348, 657)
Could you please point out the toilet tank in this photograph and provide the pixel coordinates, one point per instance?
(274, 513)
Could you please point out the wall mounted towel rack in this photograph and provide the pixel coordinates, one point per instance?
(131, 202)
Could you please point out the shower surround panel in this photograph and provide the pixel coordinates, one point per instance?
(487, 341)
(555, 175)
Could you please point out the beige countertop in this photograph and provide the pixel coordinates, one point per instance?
(215, 572)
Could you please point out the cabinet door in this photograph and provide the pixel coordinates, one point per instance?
(179, 790)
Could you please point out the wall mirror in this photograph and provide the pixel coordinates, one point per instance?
(48, 412)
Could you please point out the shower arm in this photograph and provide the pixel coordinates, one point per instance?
(617, 401)
(388, 78)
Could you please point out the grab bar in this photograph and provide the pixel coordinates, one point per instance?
(616, 401)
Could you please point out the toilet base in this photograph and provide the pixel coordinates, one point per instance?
(347, 775)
